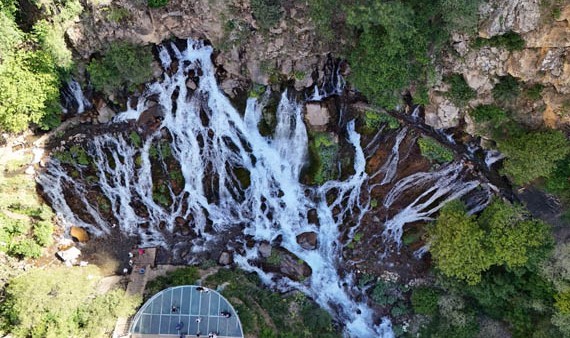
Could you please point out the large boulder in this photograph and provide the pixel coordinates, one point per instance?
(519, 16)
(307, 240)
(79, 234)
(317, 116)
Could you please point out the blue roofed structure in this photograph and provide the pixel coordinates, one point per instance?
(186, 311)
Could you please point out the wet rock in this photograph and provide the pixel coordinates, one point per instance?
(104, 112)
(519, 16)
(313, 217)
(264, 249)
(307, 240)
(191, 84)
(317, 116)
(79, 234)
(225, 258)
(293, 267)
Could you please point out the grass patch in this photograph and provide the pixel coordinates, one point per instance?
(373, 120)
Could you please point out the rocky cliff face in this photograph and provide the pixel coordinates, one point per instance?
(544, 60)
(290, 49)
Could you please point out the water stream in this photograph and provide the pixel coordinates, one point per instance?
(209, 139)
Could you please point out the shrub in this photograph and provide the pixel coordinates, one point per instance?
(324, 151)
(157, 3)
(532, 154)
(266, 12)
(383, 294)
(534, 92)
(460, 92)
(122, 64)
(434, 151)
(488, 113)
(511, 41)
(424, 301)
(508, 88)
(373, 120)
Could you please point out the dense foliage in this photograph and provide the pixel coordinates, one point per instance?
(488, 113)
(61, 302)
(33, 65)
(459, 92)
(122, 65)
(464, 246)
(532, 154)
(434, 151)
(266, 12)
(510, 41)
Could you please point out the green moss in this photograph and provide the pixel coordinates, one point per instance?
(243, 177)
(324, 151)
(157, 3)
(135, 139)
(275, 258)
(434, 151)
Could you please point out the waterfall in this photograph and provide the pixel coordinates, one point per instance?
(214, 147)
(72, 98)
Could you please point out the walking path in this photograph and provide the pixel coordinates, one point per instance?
(142, 262)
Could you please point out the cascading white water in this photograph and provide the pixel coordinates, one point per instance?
(209, 139)
(73, 95)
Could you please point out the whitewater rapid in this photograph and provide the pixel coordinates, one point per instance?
(209, 139)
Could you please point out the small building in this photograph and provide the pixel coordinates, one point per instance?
(186, 310)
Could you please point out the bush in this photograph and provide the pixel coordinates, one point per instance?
(434, 151)
(424, 301)
(488, 113)
(266, 12)
(157, 3)
(460, 92)
(122, 64)
(511, 41)
(507, 89)
(373, 120)
(532, 154)
(534, 92)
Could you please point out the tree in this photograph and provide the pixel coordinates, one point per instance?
(510, 235)
(123, 64)
(532, 154)
(29, 90)
(60, 302)
(456, 244)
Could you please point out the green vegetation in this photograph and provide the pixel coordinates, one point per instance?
(157, 3)
(183, 276)
(33, 65)
(434, 151)
(424, 301)
(122, 66)
(373, 121)
(532, 154)
(25, 222)
(488, 113)
(534, 92)
(459, 92)
(117, 14)
(266, 12)
(61, 302)
(324, 152)
(268, 314)
(507, 89)
(511, 41)
(464, 246)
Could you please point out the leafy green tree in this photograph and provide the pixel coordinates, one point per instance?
(61, 302)
(123, 64)
(510, 235)
(390, 52)
(488, 113)
(457, 244)
(29, 90)
(460, 92)
(532, 154)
